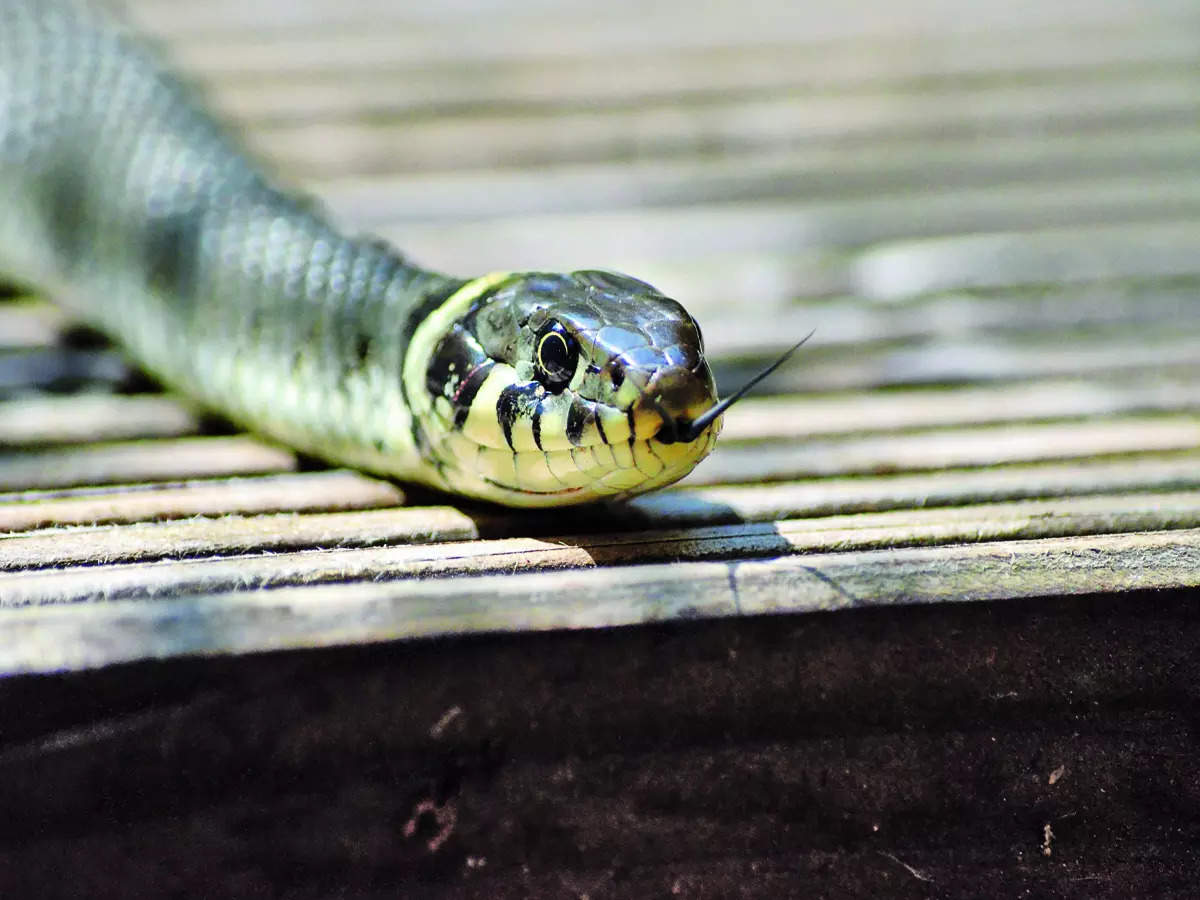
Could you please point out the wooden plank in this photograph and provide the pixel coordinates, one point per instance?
(63, 638)
(82, 418)
(647, 130)
(1102, 251)
(25, 323)
(334, 490)
(968, 359)
(801, 418)
(342, 83)
(1159, 213)
(807, 172)
(1084, 313)
(164, 460)
(827, 496)
(303, 40)
(229, 535)
(946, 448)
(1110, 514)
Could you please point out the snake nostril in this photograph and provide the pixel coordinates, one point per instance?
(680, 395)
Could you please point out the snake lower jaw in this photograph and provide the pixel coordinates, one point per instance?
(598, 472)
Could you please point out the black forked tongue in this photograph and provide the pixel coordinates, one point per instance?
(689, 431)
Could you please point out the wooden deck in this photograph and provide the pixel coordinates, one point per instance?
(990, 215)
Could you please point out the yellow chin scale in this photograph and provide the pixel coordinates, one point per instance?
(535, 478)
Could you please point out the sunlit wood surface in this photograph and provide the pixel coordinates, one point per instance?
(990, 213)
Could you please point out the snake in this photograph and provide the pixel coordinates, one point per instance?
(126, 201)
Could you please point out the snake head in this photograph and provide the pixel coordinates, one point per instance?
(541, 389)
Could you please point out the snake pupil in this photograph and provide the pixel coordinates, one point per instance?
(557, 356)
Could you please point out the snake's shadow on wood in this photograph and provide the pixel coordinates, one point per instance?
(80, 358)
(656, 511)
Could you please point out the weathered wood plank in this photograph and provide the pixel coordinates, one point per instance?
(334, 490)
(810, 173)
(945, 448)
(322, 148)
(827, 496)
(300, 36)
(164, 460)
(83, 418)
(27, 323)
(231, 534)
(1098, 252)
(58, 638)
(1160, 213)
(342, 83)
(1085, 314)
(802, 418)
(116, 581)
(972, 358)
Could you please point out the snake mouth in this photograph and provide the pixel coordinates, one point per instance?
(679, 430)
(549, 492)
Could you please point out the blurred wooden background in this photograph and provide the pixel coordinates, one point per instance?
(991, 215)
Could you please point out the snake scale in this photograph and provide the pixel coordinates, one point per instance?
(123, 199)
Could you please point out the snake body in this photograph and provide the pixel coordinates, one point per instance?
(122, 198)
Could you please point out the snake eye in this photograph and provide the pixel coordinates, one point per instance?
(557, 356)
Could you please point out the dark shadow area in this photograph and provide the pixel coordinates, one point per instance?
(57, 371)
(912, 751)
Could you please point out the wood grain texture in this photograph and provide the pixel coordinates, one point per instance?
(125, 461)
(315, 491)
(84, 418)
